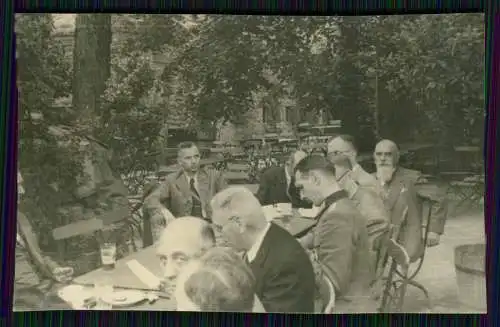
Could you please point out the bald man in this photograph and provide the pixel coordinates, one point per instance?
(183, 240)
(389, 174)
(285, 280)
(277, 184)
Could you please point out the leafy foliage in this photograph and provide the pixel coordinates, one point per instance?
(47, 161)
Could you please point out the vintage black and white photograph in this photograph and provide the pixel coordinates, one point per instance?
(229, 163)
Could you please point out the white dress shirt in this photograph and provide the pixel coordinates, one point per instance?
(252, 253)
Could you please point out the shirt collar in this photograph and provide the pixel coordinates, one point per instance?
(252, 253)
(288, 177)
(195, 177)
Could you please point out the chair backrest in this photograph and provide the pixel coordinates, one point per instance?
(79, 228)
(330, 302)
(398, 253)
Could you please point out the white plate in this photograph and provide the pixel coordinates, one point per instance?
(309, 213)
(75, 295)
(123, 298)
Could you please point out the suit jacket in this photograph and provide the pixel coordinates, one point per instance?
(370, 205)
(360, 176)
(284, 274)
(175, 194)
(432, 192)
(400, 199)
(341, 247)
(273, 189)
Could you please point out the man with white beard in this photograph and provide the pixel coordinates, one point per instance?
(400, 197)
(386, 157)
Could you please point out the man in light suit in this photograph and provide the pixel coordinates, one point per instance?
(339, 242)
(360, 187)
(343, 146)
(186, 192)
(283, 272)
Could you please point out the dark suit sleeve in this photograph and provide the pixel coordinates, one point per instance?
(413, 228)
(263, 193)
(336, 249)
(283, 281)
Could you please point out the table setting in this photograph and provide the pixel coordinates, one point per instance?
(297, 221)
(131, 283)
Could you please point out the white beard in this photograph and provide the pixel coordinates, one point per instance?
(384, 174)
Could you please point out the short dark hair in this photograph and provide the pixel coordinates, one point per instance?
(185, 145)
(221, 282)
(315, 162)
(349, 139)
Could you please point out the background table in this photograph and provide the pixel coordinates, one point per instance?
(298, 226)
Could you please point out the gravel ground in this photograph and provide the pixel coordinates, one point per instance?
(438, 271)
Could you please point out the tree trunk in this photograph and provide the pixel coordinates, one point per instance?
(91, 62)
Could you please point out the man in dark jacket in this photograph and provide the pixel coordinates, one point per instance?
(285, 280)
(277, 184)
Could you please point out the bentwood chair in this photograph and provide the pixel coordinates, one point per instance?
(326, 295)
(401, 274)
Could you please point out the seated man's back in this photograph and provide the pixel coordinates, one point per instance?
(284, 273)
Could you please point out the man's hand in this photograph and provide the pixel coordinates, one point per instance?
(432, 239)
(63, 274)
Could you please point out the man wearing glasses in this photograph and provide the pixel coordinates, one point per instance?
(343, 147)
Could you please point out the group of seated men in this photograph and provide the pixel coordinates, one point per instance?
(265, 268)
(354, 209)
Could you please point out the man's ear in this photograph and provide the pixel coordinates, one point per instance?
(315, 177)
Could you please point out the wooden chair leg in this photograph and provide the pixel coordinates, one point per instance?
(402, 294)
(423, 289)
(387, 289)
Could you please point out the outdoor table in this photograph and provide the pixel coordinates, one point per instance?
(297, 226)
(124, 278)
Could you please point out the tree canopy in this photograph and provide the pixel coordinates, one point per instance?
(370, 72)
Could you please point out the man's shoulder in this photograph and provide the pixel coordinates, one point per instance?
(343, 210)
(283, 242)
(273, 172)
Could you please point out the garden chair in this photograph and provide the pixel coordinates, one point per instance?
(402, 271)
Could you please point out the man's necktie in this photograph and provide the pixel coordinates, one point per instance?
(196, 210)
